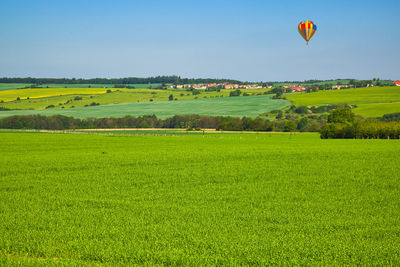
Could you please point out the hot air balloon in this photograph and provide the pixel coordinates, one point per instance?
(307, 29)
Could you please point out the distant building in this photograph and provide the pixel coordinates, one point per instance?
(294, 87)
(338, 87)
(397, 83)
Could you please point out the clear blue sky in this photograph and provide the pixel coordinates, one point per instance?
(254, 40)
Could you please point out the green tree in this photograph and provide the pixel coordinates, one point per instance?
(237, 92)
(341, 115)
(290, 126)
(302, 123)
(301, 110)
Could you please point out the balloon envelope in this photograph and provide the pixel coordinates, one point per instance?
(307, 29)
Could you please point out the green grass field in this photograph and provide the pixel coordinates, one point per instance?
(371, 101)
(12, 86)
(218, 199)
(232, 106)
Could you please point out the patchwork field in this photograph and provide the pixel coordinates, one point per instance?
(233, 106)
(234, 199)
(371, 101)
(41, 98)
(79, 97)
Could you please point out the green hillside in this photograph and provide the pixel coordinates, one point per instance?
(370, 101)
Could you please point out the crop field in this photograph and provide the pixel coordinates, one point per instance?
(250, 106)
(234, 199)
(11, 95)
(12, 86)
(371, 101)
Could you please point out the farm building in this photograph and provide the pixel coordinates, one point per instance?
(397, 83)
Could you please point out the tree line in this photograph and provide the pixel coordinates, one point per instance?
(190, 122)
(129, 80)
(341, 123)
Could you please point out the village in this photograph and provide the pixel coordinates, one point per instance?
(218, 85)
(287, 88)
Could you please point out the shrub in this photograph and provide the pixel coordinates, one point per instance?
(301, 110)
(237, 92)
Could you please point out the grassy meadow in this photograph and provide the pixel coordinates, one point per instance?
(250, 106)
(234, 199)
(370, 101)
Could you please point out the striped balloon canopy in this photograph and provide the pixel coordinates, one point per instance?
(307, 29)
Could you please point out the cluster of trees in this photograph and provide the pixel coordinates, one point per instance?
(343, 124)
(362, 130)
(237, 92)
(59, 122)
(124, 86)
(318, 109)
(391, 117)
(117, 81)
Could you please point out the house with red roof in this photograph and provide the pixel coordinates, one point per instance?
(397, 83)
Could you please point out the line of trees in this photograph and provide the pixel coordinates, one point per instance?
(343, 124)
(118, 81)
(226, 123)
